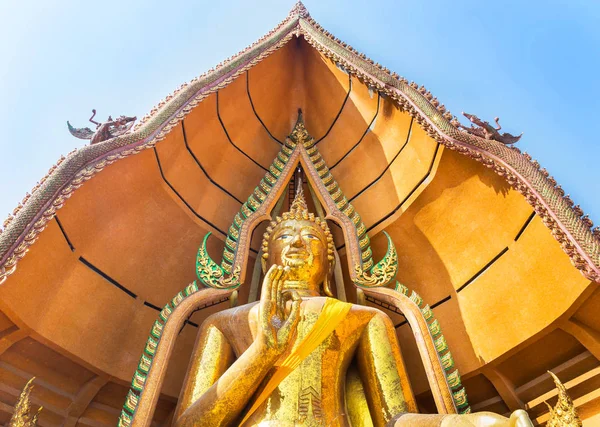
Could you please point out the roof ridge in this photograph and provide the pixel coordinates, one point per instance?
(299, 11)
(31, 216)
(292, 16)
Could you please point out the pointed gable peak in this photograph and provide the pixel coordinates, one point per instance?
(299, 11)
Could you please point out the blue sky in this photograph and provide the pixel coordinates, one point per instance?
(535, 64)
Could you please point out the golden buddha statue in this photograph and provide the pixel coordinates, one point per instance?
(298, 357)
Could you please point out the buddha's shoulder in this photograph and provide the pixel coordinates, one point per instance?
(367, 312)
(231, 313)
(355, 309)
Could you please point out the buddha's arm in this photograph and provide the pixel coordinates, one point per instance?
(382, 370)
(224, 401)
(211, 357)
(208, 403)
(388, 391)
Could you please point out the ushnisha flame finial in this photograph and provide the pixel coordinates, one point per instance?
(299, 205)
(299, 10)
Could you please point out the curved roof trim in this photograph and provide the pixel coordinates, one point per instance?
(565, 222)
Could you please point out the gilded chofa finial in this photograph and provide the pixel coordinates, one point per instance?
(299, 134)
(23, 416)
(299, 10)
(104, 130)
(564, 413)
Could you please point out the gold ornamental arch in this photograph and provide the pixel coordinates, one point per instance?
(217, 283)
(299, 148)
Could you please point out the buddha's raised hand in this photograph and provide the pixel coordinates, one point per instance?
(276, 326)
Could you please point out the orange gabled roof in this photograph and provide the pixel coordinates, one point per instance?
(540, 190)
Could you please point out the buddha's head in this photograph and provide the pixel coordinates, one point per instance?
(304, 243)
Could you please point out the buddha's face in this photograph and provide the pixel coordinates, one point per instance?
(301, 245)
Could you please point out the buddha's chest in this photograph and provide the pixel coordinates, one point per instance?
(343, 339)
(313, 393)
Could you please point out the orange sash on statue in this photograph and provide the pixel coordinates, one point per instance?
(332, 314)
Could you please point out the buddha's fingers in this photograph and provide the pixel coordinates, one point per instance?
(273, 288)
(290, 324)
(280, 295)
(265, 293)
(265, 307)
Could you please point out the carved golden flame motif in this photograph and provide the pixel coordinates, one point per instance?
(564, 413)
(24, 416)
(300, 135)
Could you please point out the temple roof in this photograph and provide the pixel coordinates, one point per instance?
(569, 226)
(111, 233)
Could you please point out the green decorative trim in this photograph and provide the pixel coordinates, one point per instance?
(416, 298)
(125, 418)
(157, 329)
(131, 402)
(144, 364)
(459, 394)
(212, 272)
(166, 312)
(453, 377)
(427, 312)
(337, 195)
(177, 299)
(367, 254)
(460, 398)
(435, 329)
(138, 381)
(447, 361)
(151, 344)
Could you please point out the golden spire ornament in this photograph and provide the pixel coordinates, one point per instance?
(564, 413)
(23, 415)
(299, 205)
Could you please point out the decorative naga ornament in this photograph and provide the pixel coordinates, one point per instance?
(105, 130)
(564, 413)
(23, 415)
(210, 273)
(381, 273)
(487, 131)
